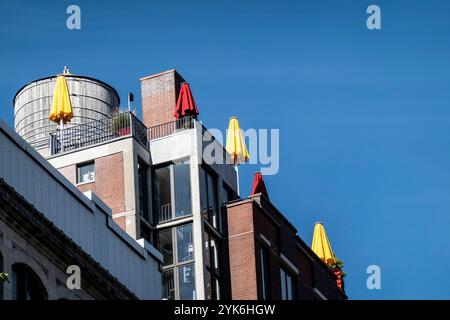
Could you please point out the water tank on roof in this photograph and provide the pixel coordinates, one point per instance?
(91, 99)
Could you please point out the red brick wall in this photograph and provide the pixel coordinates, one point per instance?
(70, 172)
(109, 182)
(121, 221)
(241, 244)
(159, 96)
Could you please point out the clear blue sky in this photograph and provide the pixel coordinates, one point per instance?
(364, 116)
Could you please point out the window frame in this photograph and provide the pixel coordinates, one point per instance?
(156, 211)
(175, 266)
(143, 194)
(264, 260)
(78, 172)
(215, 273)
(288, 275)
(208, 215)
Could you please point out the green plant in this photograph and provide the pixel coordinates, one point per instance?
(3, 277)
(339, 264)
(120, 121)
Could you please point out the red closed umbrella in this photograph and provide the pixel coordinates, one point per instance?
(185, 105)
(258, 185)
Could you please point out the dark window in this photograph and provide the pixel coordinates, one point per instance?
(212, 261)
(287, 285)
(172, 191)
(86, 172)
(265, 272)
(162, 193)
(182, 178)
(208, 197)
(168, 285)
(143, 190)
(146, 233)
(177, 246)
(186, 282)
(26, 284)
(166, 246)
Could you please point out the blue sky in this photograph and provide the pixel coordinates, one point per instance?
(364, 115)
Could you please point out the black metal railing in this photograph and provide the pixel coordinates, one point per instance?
(165, 213)
(169, 128)
(98, 131)
(42, 143)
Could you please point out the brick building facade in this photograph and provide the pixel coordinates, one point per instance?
(268, 260)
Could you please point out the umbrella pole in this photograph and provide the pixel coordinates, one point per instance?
(61, 128)
(237, 177)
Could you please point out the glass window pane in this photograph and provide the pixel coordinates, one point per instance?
(185, 244)
(289, 287)
(186, 280)
(208, 286)
(168, 285)
(283, 284)
(212, 200)
(143, 190)
(265, 272)
(203, 193)
(166, 246)
(182, 190)
(162, 193)
(207, 254)
(86, 173)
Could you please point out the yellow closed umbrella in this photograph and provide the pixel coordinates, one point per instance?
(236, 145)
(321, 246)
(61, 110)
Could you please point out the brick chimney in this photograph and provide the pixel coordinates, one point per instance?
(159, 97)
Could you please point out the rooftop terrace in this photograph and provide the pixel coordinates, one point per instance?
(122, 125)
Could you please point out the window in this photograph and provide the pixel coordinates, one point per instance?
(212, 280)
(185, 243)
(287, 285)
(168, 285)
(172, 191)
(208, 197)
(177, 246)
(146, 232)
(85, 172)
(26, 285)
(182, 178)
(265, 272)
(186, 280)
(228, 194)
(163, 196)
(143, 190)
(166, 246)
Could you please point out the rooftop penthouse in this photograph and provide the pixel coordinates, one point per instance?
(150, 175)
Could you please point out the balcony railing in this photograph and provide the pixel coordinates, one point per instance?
(165, 212)
(169, 128)
(98, 131)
